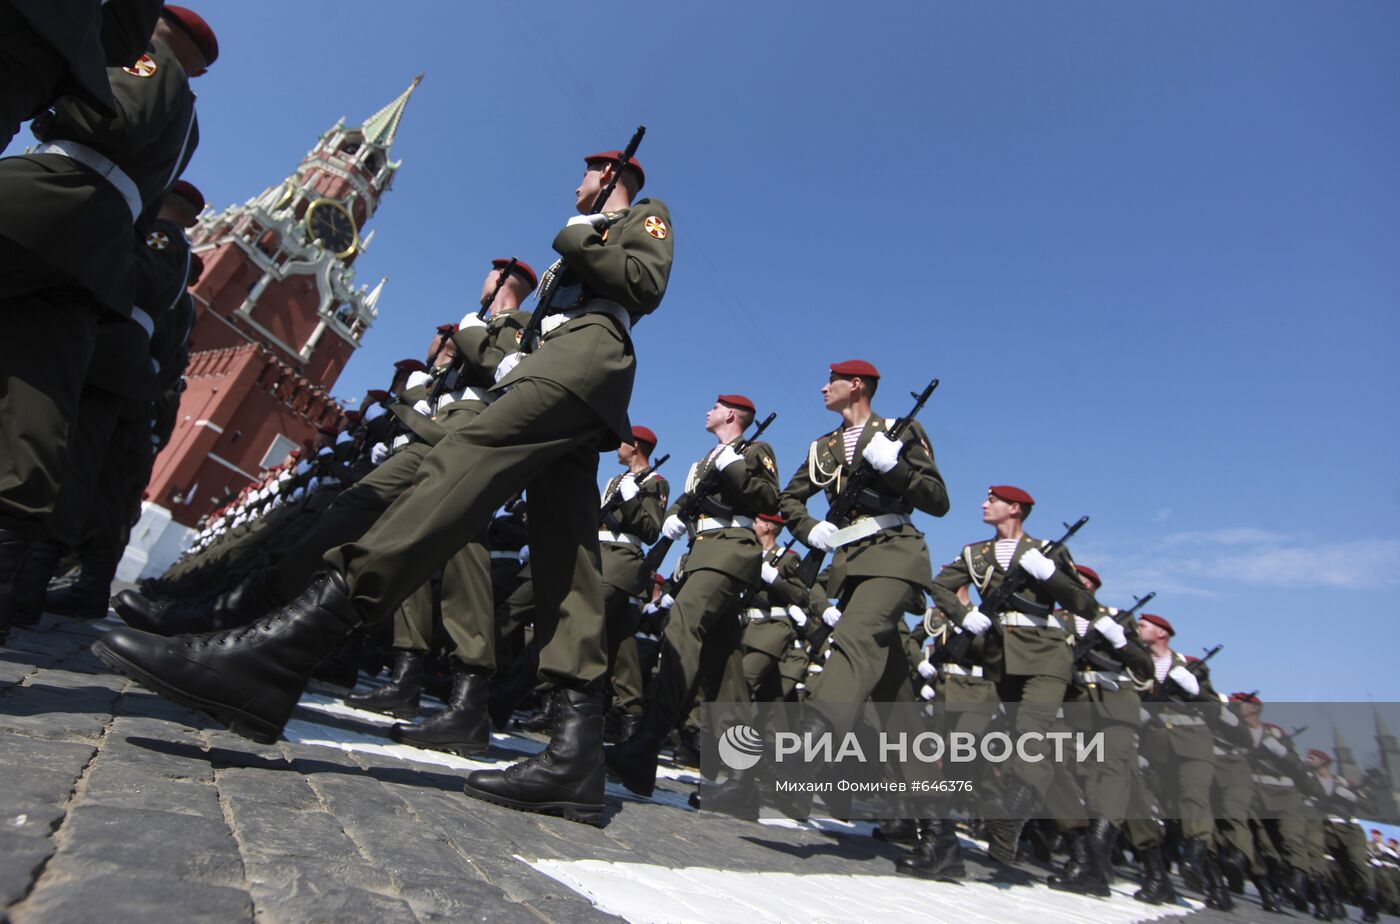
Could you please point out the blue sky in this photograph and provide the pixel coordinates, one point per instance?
(1150, 249)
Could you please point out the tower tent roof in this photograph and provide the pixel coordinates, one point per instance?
(380, 128)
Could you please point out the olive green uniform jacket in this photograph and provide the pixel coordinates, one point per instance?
(638, 519)
(913, 484)
(747, 490)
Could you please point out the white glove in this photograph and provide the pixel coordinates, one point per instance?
(831, 616)
(344, 437)
(374, 412)
(1111, 631)
(649, 609)
(976, 622)
(798, 616)
(627, 487)
(598, 220)
(820, 536)
(423, 407)
(1037, 565)
(296, 495)
(927, 669)
(673, 528)
(881, 452)
(313, 484)
(926, 692)
(470, 319)
(1275, 746)
(770, 574)
(1185, 679)
(523, 555)
(507, 363)
(1229, 718)
(378, 453)
(666, 602)
(727, 457)
(416, 378)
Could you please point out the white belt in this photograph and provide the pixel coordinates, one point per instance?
(758, 614)
(401, 440)
(957, 670)
(1272, 780)
(143, 319)
(705, 524)
(867, 526)
(1171, 720)
(464, 394)
(592, 306)
(607, 535)
(1026, 621)
(101, 165)
(1101, 676)
(498, 554)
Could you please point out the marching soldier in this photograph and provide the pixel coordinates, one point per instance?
(768, 622)
(1027, 656)
(724, 559)
(1345, 841)
(67, 214)
(556, 405)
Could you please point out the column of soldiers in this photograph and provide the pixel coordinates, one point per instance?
(94, 265)
(458, 514)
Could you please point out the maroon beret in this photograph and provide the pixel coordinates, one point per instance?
(1157, 621)
(521, 267)
(352, 416)
(190, 193)
(613, 157)
(658, 579)
(447, 328)
(196, 268)
(1243, 698)
(196, 28)
(376, 394)
(775, 518)
(855, 367)
(411, 365)
(644, 435)
(1320, 755)
(1091, 574)
(737, 401)
(1011, 494)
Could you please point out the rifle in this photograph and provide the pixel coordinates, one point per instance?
(1195, 667)
(691, 502)
(1085, 648)
(487, 302)
(845, 502)
(616, 500)
(530, 336)
(1000, 598)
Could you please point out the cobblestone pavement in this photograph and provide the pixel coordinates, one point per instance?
(116, 806)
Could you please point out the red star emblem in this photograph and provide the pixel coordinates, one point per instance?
(145, 66)
(656, 228)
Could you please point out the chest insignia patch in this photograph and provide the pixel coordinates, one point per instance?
(157, 240)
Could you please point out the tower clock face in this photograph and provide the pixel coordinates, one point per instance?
(331, 221)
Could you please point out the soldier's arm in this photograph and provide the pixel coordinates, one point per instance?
(950, 579)
(1134, 655)
(792, 503)
(788, 589)
(631, 266)
(126, 28)
(753, 486)
(915, 476)
(643, 514)
(1065, 588)
(145, 106)
(481, 349)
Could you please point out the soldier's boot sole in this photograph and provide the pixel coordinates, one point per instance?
(585, 814)
(241, 723)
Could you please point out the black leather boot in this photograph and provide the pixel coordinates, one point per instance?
(463, 727)
(32, 582)
(738, 796)
(633, 762)
(248, 678)
(1193, 864)
(1004, 834)
(1297, 889)
(508, 694)
(85, 595)
(1268, 896)
(542, 722)
(1234, 865)
(936, 853)
(398, 697)
(1082, 874)
(249, 600)
(13, 551)
(1216, 888)
(1156, 884)
(1370, 908)
(564, 779)
(1103, 843)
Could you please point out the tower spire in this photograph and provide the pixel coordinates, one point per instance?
(379, 129)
